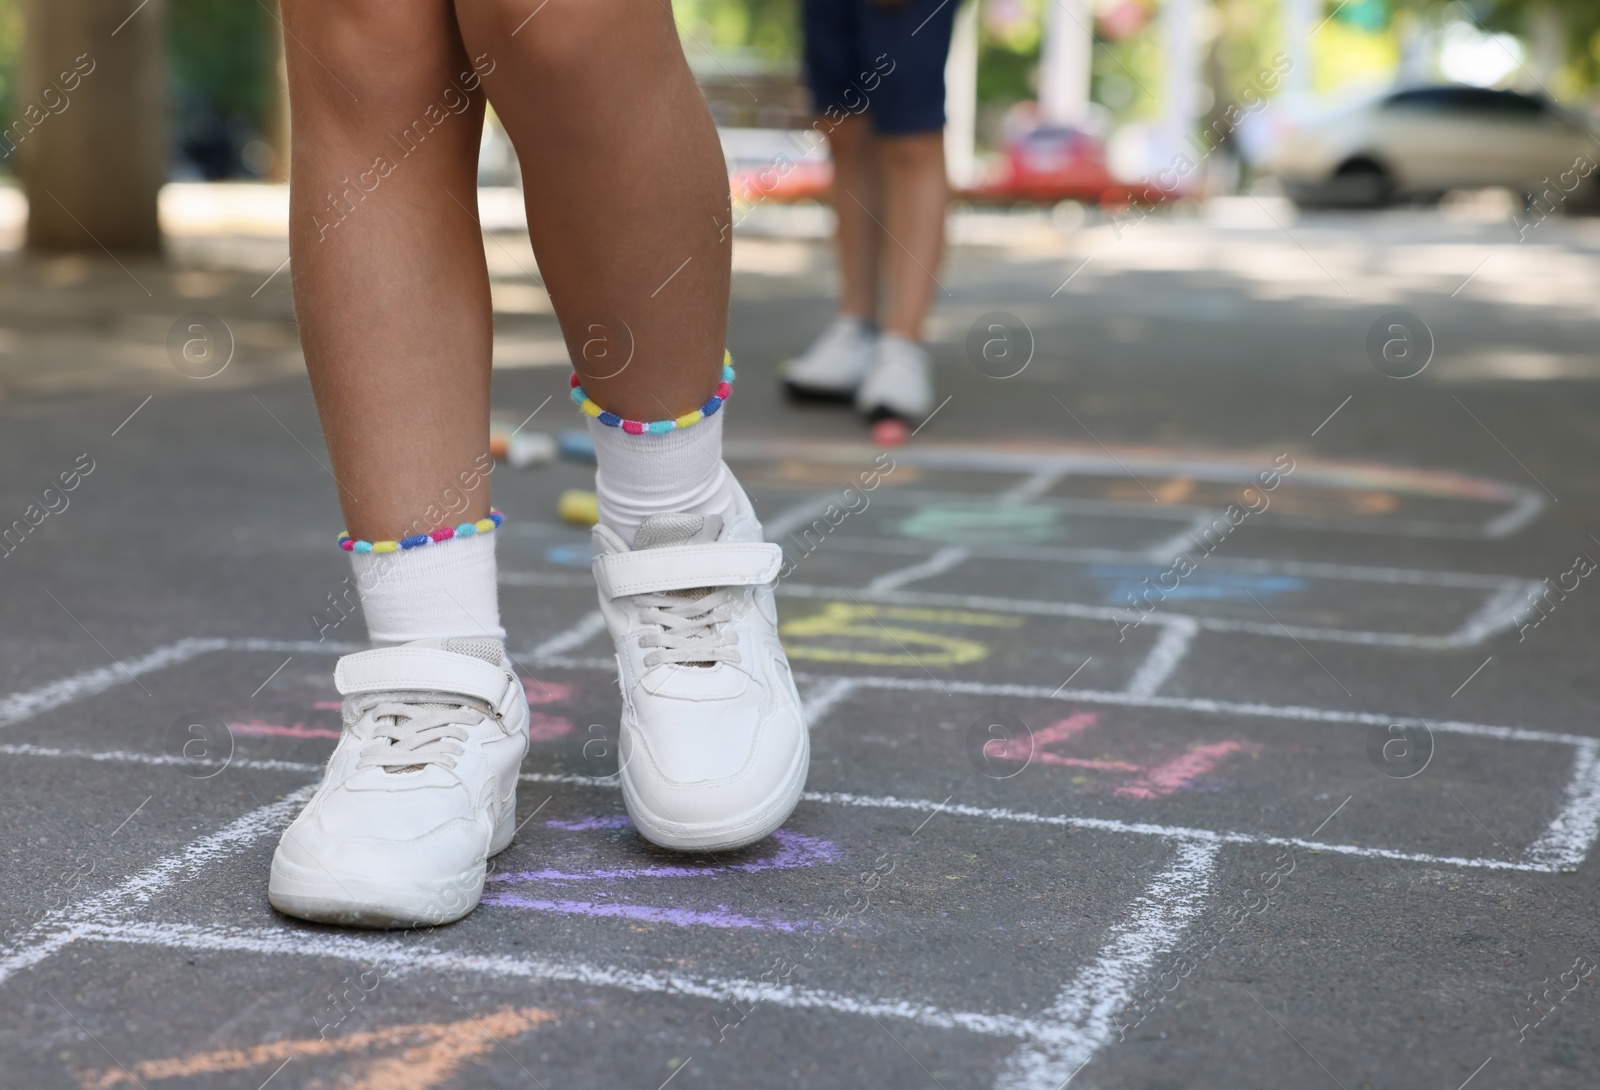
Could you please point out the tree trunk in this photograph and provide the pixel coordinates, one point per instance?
(91, 123)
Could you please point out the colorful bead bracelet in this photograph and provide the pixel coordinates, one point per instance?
(443, 533)
(658, 427)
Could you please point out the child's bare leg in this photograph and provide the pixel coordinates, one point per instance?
(626, 187)
(628, 211)
(392, 296)
(627, 196)
(391, 290)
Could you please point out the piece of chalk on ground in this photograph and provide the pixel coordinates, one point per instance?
(530, 448)
(576, 446)
(890, 432)
(578, 507)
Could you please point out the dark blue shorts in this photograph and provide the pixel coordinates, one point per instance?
(884, 60)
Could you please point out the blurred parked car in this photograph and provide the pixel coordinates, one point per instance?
(1420, 142)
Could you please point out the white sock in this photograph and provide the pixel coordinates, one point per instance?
(446, 588)
(641, 475)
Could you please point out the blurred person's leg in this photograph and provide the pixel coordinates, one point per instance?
(392, 296)
(626, 187)
(917, 196)
(627, 195)
(834, 364)
(909, 41)
(859, 215)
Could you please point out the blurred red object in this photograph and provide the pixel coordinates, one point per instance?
(1038, 163)
(1056, 163)
(807, 179)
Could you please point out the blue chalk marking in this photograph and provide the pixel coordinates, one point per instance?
(576, 445)
(1119, 581)
(577, 555)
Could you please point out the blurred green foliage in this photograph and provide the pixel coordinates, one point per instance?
(768, 28)
(219, 53)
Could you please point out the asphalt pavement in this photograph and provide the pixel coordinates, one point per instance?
(1203, 696)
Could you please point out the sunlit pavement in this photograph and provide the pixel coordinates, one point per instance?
(1195, 701)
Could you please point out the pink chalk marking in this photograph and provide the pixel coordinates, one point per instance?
(1028, 746)
(327, 705)
(547, 728)
(546, 692)
(1163, 779)
(1062, 730)
(298, 730)
(1084, 762)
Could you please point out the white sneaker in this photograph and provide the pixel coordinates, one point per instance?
(714, 751)
(419, 792)
(832, 368)
(900, 381)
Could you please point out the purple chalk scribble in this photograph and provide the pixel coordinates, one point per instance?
(794, 850)
(678, 917)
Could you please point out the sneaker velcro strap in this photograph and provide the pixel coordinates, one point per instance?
(684, 567)
(428, 670)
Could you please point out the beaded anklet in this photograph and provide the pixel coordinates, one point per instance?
(443, 533)
(658, 427)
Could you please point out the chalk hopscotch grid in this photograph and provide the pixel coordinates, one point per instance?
(1054, 1044)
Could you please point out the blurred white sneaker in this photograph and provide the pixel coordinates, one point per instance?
(714, 751)
(899, 382)
(419, 792)
(832, 368)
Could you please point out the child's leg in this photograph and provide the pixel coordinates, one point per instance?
(392, 297)
(626, 188)
(628, 209)
(627, 196)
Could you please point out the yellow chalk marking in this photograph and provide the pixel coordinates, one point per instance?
(578, 507)
(912, 646)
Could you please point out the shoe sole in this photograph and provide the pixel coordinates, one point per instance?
(321, 897)
(737, 832)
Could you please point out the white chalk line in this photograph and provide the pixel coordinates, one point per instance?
(821, 697)
(586, 628)
(1083, 554)
(59, 927)
(1207, 706)
(1525, 503)
(940, 562)
(1565, 845)
(1566, 841)
(35, 700)
(1482, 628)
(1165, 832)
(1164, 552)
(158, 759)
(24, 705)
(1032, 487)
(786, 522)
(1083, 1017)
(1170, 648)
(406, 958)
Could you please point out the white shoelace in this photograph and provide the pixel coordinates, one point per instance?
(414, 731)
(690, 631)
